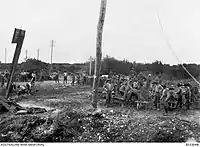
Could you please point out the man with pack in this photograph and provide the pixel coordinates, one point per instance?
(122, 88)
(78, 78)
(33, 78)
(157, 93)
(132, 92)
(180, 93)
(2, 79)
(188, 95)
(73, 79)
(23, 89)
(108, 89)
(169, 98)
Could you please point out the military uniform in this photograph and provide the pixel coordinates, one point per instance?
(188, 96)
(65, 78)
(169, 98)
(157, 95)
(108, 89)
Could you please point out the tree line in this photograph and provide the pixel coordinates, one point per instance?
(111, 64)
(169, 72)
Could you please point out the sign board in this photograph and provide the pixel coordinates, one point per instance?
(18, 35)
(18, 38)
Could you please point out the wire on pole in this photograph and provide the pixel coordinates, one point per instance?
(170, 47)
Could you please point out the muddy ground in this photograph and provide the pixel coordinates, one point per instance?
(70, 118)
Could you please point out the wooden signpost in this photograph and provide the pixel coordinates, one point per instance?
(18, 38)
(98, 53)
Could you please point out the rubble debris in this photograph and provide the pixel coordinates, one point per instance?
(21, 112)
(100, 126)
(35, 110)
(3, 109)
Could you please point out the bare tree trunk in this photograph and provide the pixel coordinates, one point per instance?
(98, 53)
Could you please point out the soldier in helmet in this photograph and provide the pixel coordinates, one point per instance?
(65, 77)
(108, 89)
(148, 81)
(157, 94)
(188, 95)
(179, 94)
(2, 79)
(169, 98)
(122, 88)
(33, 78)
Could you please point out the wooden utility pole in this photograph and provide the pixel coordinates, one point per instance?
(98, 53)
(52, 45)
(38, 51)
(5, 54)
(26, 55)
(90, 72)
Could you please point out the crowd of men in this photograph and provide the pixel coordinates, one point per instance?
(16, 88)
(132, 88)
(76, 78)
(135, 87)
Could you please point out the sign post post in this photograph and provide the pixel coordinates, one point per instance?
(18, 38)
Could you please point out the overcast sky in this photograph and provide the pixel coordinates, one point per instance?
(131, 29)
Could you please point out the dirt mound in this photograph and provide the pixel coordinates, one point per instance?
(41, 129)
(100, 126)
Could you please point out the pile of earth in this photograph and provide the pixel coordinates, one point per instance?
(100, 126)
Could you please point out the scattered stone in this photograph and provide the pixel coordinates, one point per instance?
(3, 109)
(35, 110)
(21, 112)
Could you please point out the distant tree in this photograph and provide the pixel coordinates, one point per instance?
(31, 65)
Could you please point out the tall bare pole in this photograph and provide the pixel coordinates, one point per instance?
(38, 52)
(98, 53)
(5, 55)
(90, 72)
(52, 45)
(26, 55)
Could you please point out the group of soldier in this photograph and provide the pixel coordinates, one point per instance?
(163, 94)
(4, 77)
(78, 78)
(17, 88)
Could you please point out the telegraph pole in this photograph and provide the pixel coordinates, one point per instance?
(38, 51)
(52, 46)
(26, 53)
(5, 55)
(90, 72)
(98, 53)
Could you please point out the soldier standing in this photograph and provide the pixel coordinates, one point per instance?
(78, 79)
(2, 80)
(157, 94)
(188, 95)
(33, 79)
(179, 94)
(73, 79)
(84, 79)
(108, 89)
(65, 78)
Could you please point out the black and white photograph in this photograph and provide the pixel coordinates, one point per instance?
(99, 71)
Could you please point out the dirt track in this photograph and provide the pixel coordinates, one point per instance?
(59, 96)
